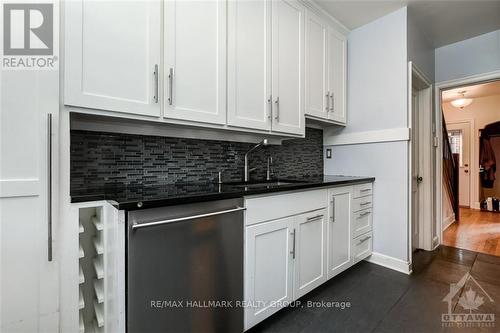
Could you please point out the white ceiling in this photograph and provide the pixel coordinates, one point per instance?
(443, 21)
(475, 91)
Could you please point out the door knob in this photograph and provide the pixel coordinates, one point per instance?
(419, 179)
(466, 171)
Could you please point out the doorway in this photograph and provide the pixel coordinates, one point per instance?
(470, 112)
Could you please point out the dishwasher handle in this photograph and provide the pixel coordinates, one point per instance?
(185, 218)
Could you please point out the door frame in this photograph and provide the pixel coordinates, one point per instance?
(438, 88)
(473, 166)
(425, 89)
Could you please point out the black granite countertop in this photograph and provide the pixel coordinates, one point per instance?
(150, 196)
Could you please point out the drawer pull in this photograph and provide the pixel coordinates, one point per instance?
(365, 203)
(365, 190)
(293, 246)
(364, 214)
(364, 239)
(312, 218)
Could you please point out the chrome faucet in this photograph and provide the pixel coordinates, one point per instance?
(247, 171)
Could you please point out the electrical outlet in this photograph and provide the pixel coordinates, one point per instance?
(328, 152)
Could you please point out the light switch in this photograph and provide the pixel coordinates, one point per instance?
(328, 152)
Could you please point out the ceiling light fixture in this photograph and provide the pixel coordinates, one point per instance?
(461, 102)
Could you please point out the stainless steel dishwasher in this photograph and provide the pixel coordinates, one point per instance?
(181, 258)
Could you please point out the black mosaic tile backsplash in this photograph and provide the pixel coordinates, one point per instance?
(99, 158)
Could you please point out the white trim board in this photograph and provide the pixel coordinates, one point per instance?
(386, 135)
(448, 221)
(390, 262)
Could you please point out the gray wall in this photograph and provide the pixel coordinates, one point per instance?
(420, 48)
(477, 55)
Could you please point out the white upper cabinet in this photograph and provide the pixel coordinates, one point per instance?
(249, 64)
(288, 67)
(337, 75)
(112, 54)
(316, 52)
(326, 71)
(195, 61)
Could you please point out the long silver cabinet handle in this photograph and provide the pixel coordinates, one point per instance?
(49, 186)
(277, 116)
(156, 87)
(333, 209)
(186, 218)
(327, 101)
(170, 86)
(331, 105)
(270, 101)
(293, 246)
(364, 239)
(312, 218)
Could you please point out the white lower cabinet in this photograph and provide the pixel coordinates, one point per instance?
(309, 251)
(288, 256)
(339, 230)
(268, 268)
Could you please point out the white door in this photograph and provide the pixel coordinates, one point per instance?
(337, 75)
(195, 61)
(309, 250)
(112, 54)
(29, 279)
(317, 96)
(461, 133)
(339, 230)
(249, 64)
(415, 173)
(268, 268)
(288, 67)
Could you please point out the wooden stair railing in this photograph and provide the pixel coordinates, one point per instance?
(450, 171)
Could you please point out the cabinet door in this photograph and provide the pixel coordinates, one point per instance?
(268, 268)
(195, 60)
(29, 289)
(337, 77)
(339, 230)
(309, 250)
(317, 96)
(111, 55)
(249, 64)
(288, 67)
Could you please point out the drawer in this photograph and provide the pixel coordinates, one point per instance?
(274, 206)
(362, 190)
(362, 203)
(362, 222)
(362, 247)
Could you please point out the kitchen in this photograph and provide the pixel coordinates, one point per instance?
(199, 165)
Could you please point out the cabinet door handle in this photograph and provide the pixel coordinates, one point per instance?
(333, 209)
(366, 190)
(364, 239)
(365, 203)
(277, 116)
(312, 218)
(293, 245)
(270, 101)
(331, 105)
(49, 187)
(364, 214)
(156, 87)
(327, 101)
(170, 86)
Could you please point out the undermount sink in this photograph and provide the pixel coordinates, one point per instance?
(263, 184)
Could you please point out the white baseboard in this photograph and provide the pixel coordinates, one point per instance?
(390, 262)
(448, 221)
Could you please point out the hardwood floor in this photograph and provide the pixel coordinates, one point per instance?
(476, 231)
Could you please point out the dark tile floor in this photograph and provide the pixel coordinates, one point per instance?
(383, 300)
